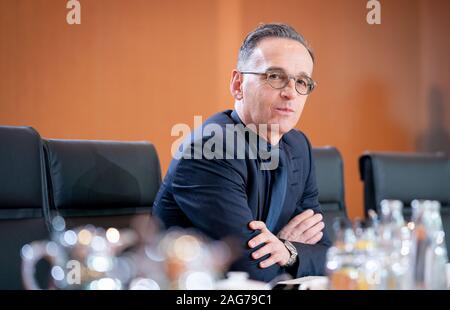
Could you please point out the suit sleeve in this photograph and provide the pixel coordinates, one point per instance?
(312, 258)
(212, 194)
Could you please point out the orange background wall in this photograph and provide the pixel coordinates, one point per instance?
(134, 68)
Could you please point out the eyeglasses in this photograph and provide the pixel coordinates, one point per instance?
(279, 79)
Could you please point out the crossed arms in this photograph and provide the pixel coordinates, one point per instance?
(213, 197)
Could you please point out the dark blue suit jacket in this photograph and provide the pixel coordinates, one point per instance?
(221, 196)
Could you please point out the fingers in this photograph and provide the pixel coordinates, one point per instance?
(257, 225)
(315, 238)
(298, 219)
(309, 223)
(273, 246)
(311, 232)
(306, 230)
(296, 233)
(261, 238)
(267, 249)
(279, 254)
(269, 262)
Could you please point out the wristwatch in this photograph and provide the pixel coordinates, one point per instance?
(291, 248)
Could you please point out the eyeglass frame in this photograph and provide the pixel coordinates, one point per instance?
(290, 77)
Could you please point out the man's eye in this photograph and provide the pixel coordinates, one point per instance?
(302, 82)
(275, 76)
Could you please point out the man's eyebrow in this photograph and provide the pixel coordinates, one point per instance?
(275, 68)
(301, 73)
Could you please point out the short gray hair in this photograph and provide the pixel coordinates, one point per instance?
(269, 31)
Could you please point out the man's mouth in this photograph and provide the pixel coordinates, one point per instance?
(284, 111)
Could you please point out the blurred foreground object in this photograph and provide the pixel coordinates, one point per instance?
(139, 258)
(386, 253)
(429, 250)
(82, 258)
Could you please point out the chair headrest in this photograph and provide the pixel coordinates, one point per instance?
(330, 175)
(21, 172)
(87, 174)
(407, 176)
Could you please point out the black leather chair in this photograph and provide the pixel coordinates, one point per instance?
(407, 176)
(23, 200)
(104, 183)
(330, 182)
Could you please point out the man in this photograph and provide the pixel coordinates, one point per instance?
(274, 214)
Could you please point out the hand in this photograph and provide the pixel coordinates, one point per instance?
(279, 254)
(305, 228)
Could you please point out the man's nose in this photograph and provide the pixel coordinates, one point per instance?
(289, 91)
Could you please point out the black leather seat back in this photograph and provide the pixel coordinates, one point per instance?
(407, 176)
(404, 177)
(103, 183)
(23, 200)
(330, 182)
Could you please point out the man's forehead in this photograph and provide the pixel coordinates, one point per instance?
(284, 53)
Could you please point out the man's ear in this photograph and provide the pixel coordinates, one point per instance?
(236, 84)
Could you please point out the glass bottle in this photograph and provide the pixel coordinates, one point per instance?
(340, 266)
(429, 255)
(395, 244)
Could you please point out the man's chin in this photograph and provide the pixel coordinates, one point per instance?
(283, 126)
